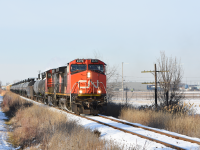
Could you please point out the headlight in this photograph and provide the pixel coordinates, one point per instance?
(88, 75)
(80, 91)
(99, 91)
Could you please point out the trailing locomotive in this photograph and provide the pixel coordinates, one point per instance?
(79, 87)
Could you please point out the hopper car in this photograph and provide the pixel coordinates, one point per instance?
(80, 86)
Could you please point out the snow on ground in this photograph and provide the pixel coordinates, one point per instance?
(140, 102)
(3, 131)
(127, 140)
(196, 104)
(135, 102)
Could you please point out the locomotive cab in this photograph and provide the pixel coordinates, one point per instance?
(88, 85)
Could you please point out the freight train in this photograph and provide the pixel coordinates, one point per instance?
(80, 86)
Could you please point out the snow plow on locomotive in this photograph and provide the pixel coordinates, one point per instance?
(79, 87)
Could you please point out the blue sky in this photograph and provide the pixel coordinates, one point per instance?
(35, 35)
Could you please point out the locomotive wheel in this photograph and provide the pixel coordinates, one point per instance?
(76, 109)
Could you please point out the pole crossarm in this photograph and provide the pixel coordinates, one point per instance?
(147, 71)
(148, 83)
(152, 71)
(153, 82)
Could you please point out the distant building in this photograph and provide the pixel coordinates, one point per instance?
(131, 86)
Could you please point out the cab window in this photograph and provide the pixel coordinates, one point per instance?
(78, 68)
(97, 68)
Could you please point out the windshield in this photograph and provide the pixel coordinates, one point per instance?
(96, 68)
(77, 68)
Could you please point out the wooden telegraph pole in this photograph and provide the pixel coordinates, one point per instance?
(155, 74)
(155, 85)
(122, 84)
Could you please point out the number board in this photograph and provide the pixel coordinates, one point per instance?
(79, 60)
(94, 60)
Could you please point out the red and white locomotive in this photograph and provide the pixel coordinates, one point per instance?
(80, 86)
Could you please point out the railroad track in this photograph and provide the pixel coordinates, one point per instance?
(135, 126)
(153, 130)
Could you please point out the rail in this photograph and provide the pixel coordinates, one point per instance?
(153, 130)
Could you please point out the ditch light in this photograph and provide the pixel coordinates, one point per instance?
(88, 75)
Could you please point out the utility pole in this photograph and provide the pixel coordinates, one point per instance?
(126, 97)
(155, 74)
(155, 85)
(122, 84)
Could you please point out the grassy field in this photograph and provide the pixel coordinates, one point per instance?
(181, 121)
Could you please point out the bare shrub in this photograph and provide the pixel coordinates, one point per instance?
(169, 80)
(12, 103)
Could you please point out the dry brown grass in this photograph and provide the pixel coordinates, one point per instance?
(179, 122)
(38, 127)
(12, 103)
(2, 92)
